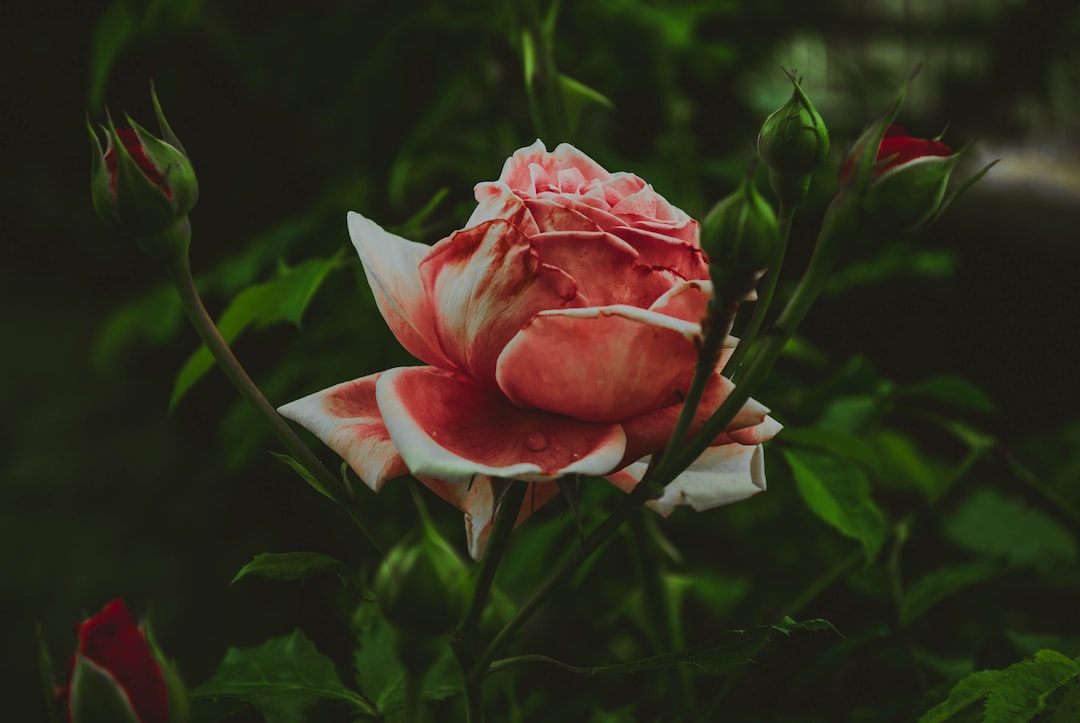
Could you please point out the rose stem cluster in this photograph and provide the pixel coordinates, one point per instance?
(145, 187)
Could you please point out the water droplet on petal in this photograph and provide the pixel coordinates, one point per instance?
(536, 442)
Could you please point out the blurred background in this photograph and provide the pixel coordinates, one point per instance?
(296, 113)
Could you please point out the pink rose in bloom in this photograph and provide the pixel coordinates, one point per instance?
(560, 331)
(112, 647)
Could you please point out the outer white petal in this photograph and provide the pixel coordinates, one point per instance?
(392, 267)
(722, 475)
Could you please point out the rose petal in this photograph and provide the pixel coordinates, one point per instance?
(448, 427)
(346, 418)
(486, 283)
(533, 163)
(600, 364)
(688, 231)
(663, 251)
(477, 501)
(651, 431)
(392, 267)
(648, 204)
(113, 641)
(604, 268)
(496, 200)
(552, 209)
(551, 214)
(720, 476)
(689, 301)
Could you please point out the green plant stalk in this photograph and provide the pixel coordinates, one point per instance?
(602, 534)
(464, 638)
(179, 268)
(765, 297)
(414, 702)
(542, 86)
(715, 332)
(838, 225)
(661, 617)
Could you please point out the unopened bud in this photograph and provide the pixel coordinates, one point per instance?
(742, 238)
(793, 142)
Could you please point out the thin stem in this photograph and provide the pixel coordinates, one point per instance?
(715, 332)
(507, 516)
(541, 85)
(1058, 501)
(765, 297)
(809, 287)
(823, 583)
(604, 532)
(414, 709)
(660, 616)
(180, 270)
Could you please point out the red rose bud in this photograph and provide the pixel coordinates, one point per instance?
(793, 142)
(742, 237)
(114, 677)
(907, 183)
(142, 184)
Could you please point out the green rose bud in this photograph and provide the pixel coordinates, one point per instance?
(144, 185)
(793, 142)
(742, 238)
(423, 585)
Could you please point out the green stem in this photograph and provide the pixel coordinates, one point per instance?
(500, 536)
(637, 497)
(180, 270)
(414, 708)
(834, 229)
(661, 617)
(541, 84)
(765, 297)
(715, 332)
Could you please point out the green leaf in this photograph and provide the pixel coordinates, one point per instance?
(578, 97)
(967, 691)
(283, 299)
(953, 390)
(304, 474)
(1014, 695)
(941, 584)
(47, 685)
(379, 674)
(903, 466)
(1023, 689)
(834, 441)
(993, 524)
(153, 317)
(289, 566)
(838, 492)
(734, 649)
(283, 678)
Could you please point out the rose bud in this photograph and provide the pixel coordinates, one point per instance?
(422, 585)
(115, 677)
(793, 142)
(742, 238)
(908, 182)
(142, 184)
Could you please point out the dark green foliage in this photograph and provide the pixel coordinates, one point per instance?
(923, 496)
